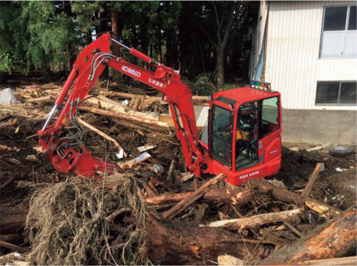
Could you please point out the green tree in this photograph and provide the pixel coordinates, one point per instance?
(217, 22)
(38, 35)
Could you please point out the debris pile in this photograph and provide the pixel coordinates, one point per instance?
(150, 211)
(76, 223)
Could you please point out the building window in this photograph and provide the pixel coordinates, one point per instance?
(336, 93)
(339, 33)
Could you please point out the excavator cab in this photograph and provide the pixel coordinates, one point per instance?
(244, 133)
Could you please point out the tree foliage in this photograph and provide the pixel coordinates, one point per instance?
(36, 35)
(198, 38)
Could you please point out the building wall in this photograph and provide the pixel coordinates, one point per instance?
(292, 61)
(319, 126)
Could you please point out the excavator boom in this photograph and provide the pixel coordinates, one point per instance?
(67, 153)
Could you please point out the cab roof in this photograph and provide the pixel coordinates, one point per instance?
(244, 94)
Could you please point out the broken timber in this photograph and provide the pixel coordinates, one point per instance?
(234, 196)
(312, 179)
(102, 134)
(151, 123)
(191, 198)
(333, 239)
(256, 221)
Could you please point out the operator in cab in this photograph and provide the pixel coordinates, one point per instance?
(247, 131)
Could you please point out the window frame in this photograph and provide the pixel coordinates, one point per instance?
(339, 94)
(278, 117)
(211, 137)
(344, 31)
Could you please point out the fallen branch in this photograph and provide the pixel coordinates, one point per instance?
(13, 247)
(8, 182)
(256, 221)
(111, 217)
(171, 169)
(292, 228)
(120, 148)
(12, 238)
(313, 177)
(192, 198)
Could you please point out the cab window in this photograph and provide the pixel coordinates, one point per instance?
(221, 135)
(246, 152)
(270, 116)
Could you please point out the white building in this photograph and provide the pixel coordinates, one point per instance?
(308, 51)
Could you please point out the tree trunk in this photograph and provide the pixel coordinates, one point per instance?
(221, 195)
(254, 222)
(220, 67)
(67, 7)
(191, 245)
(334, 239)
(114, 19)
(184, 244)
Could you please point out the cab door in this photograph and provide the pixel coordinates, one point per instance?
(269, 144)
(246, 136)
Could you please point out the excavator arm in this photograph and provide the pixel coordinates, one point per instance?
(65, 150)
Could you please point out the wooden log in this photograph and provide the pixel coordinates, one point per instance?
(152, 186)
(334, 239)
(192, 198)
(171, 169)
(125, 95)
(117, 107)
(103, 104)
(229, 260)
(12, 238)
(190, 245)
(148, 189)
(256, 221)
(313, 177)
(136, 126)
(233, 196)
(167, 199)
(44, 99)
(336, 261)
(161, 126)
(12, 220)
(113, 103)
(289, 197)
(13, 247)
(146, 148)
(102, 134)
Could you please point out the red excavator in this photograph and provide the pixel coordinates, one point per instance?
(243, 136)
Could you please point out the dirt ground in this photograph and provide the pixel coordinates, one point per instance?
(22, 160)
